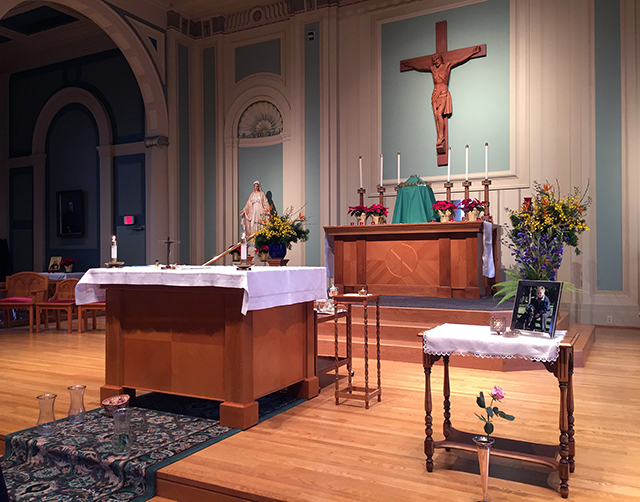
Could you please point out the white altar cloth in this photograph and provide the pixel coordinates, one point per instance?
(471, 340)
(264, 287)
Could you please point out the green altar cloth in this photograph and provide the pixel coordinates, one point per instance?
(413, 203)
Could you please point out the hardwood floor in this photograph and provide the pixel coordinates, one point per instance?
(318, 451)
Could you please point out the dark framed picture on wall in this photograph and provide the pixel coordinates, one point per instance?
(70, 213)
(536, 306)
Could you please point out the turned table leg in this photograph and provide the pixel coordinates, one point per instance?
(429, 447)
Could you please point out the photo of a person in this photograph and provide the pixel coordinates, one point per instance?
(536, 306)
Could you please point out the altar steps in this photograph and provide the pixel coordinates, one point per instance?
(401, 340)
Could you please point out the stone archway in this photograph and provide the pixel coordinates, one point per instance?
(155, 107)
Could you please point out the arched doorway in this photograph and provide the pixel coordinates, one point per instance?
(131, 45)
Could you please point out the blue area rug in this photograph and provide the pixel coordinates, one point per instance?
(78, 462)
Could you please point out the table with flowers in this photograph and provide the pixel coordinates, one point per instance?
(556, 354)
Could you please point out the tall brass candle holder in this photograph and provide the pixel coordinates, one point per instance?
(486, 182)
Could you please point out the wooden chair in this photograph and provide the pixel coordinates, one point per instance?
(23, 290)
(63, 299)
(82, 314)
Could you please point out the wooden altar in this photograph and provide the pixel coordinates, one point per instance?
(195, 342)
(412, 259)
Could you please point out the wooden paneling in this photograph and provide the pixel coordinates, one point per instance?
(415, 259)
(196, 342)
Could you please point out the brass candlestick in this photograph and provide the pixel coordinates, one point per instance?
(466, 184)
(448, 185)
(486, 182)
(381, 191)
(361, 192)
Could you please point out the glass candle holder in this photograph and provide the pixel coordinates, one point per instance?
(76, 404)
(46, 417)
(498, 324)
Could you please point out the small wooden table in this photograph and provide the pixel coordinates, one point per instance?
(562, 369)
(324, 364)
(351, 391)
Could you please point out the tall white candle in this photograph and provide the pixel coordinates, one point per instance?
(360, 171)
(114, 249)
(449, 165)
(398, 168)
(243, 247)
(381, 168)
(486, 161)
(466, 163)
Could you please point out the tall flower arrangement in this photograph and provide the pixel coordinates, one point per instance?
(282, 229)
(538, 232)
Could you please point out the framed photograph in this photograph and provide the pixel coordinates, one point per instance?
(54, 263)
(536, 306)
(70, 213)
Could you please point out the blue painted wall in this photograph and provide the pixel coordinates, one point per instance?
(183, 145)
(209, 90)
(608, 146)
(21, 218)
(263, 57)
(312, 144)
(107, 75)
(479, 91)
(73, 164)
(264, 164)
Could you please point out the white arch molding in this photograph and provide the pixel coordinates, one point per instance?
(155, 109)
(56, 103)
(293, 179)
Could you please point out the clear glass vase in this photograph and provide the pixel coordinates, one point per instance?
(483, 447)
(76, 404)
(46, 416)
(122, 436)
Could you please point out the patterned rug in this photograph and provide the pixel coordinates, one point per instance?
(78, 462)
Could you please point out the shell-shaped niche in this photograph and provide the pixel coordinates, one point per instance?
(260, 120)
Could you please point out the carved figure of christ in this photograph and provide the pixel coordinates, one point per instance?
(440, 65)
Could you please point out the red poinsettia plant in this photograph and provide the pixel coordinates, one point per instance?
(357, 210)
(378, 210)
(470, 204)
(67, 261)
(443, 205)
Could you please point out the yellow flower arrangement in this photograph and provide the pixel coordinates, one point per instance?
(282, 229)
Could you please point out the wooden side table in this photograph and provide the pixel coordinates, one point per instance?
(351, 391)
(324, 364)
(559, 456)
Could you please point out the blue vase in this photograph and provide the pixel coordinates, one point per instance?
(277, 251)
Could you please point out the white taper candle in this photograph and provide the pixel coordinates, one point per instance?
(360, 171)
(466, 163)
(114, 249)
(398, 168)
(449, 165)
(486, 161)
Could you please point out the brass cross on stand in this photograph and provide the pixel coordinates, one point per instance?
(440, 65)
(168, 242)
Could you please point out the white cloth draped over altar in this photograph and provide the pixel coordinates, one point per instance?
(264, 287)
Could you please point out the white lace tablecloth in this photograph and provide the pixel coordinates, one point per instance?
(264, 287)
(472, 340)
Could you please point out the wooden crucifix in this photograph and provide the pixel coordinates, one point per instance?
(440, 65)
